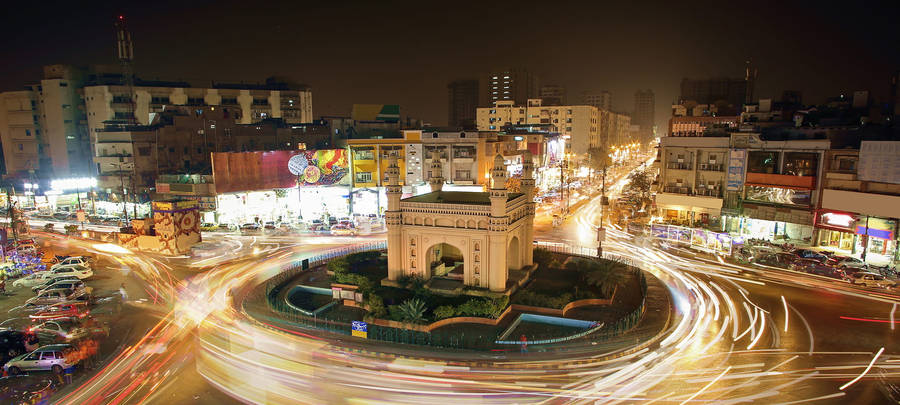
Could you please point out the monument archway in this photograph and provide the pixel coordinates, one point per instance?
(445, 260)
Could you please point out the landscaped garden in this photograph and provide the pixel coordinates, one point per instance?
(406, 312)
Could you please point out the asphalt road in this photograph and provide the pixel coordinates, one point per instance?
(740, 335)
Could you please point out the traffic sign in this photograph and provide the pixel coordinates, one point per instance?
(359, 329)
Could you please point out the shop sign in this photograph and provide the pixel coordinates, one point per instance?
(877, 227)
(737, 160)
(837, 219)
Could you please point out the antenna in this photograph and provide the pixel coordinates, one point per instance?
(126, 56)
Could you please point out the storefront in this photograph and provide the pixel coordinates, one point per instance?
(876, 238)
(836, 231)
(281, 205)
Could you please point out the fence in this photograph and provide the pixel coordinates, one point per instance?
(338, 319)
(583, 251)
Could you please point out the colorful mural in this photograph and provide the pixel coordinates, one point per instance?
(254, 171)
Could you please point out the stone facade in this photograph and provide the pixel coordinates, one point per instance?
(489, 233)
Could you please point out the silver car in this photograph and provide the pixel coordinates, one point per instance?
(871, 280)
(50, 357)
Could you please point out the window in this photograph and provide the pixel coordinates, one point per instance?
(144, 151)
(27, 132)
(186, 150)
(195, 101)
(63, 84)
(229, 100)
(199, 151)
(363, 154)
(463, 175)
(462, 134)
(260, 101)
(21, 147)
(434, 135)
(171, 150)
(159, 100)
(363, 177)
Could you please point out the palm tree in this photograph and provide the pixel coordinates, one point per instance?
(606, 276)
(412, 311)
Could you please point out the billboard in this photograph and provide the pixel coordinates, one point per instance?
(251, 171)
(879, 161)
(735, 176)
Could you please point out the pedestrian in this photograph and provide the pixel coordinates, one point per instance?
(524, 345)
(123, 293)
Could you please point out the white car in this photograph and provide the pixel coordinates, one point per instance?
(59, 330)
(52, 357)
(845, 262)
(867, 279)
(32, 280)
(82, 272)
(71, 261)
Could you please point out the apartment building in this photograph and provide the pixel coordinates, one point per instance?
(858, 213)
(582, 126)
(692, 179)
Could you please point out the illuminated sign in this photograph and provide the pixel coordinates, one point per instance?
(835, 219)
(359, 329)
(73, 184)
(518, 138)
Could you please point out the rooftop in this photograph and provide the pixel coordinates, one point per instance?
(457, 197)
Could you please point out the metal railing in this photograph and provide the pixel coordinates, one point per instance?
(679, 166)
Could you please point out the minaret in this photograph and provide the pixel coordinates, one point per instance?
(392, 220)
(437, 172)
(528, 189)
(498, 272)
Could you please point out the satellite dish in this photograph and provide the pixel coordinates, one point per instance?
(297, 164)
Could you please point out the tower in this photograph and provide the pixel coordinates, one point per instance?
(126, 56)
(528, 188)
(499, 222)
(392, 219)
(437, 176)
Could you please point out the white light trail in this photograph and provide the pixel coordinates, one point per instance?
(893, 309)
(786, 315)
(869, 367)
(706, 386)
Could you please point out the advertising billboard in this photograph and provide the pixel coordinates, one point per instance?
(880, 161)
(737, 161)
(252, 171)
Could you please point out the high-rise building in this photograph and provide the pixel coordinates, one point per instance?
(42, 128)
(517, 85)
(462, 102)
(644, 113)
(729, 94)
(553, 94)
(602, 99)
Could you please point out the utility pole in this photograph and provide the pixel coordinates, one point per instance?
(601, 233)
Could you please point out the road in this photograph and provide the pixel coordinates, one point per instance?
(739, 335)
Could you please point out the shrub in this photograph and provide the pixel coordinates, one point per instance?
(412, 311)
(540, 300)
(444, 312)
(338, 266)
(486, 307)
(375, 305)
(360, 257)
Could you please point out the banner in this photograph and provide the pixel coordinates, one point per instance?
(252, 171)
(735, 176)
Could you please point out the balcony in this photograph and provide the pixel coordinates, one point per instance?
(781, 181)
(114, 159)
(712, 167)
(679, 166)
(678, 190)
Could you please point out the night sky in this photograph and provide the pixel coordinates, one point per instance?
(405, 53)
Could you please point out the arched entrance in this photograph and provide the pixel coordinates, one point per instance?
(445, 260)
(513, 255)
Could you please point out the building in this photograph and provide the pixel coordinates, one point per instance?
(583, 126)
(692, 179)
(860, 194)
(553, 94)
(462, 102)
(481, 239)
(644, 115)
(702, 125)
(516, 85)
(107, 103)
(58, 145)
(729, 94)
(601, 100)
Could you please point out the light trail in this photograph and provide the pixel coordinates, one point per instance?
(866, 371)
(705, 387)
(786, 314)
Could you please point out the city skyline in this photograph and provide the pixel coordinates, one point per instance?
(334, 58)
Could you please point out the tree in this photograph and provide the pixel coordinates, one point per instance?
(600, 159)
(412, 311)
(640, 183)
(443, 312)
(605, 275)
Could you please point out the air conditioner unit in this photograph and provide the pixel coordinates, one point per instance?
(703, 166)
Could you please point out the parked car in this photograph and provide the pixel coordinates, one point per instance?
(846, 262)
(343, 229)
(269, 225)
(317, 225)
(82, 272)
(51, 357)
(226, 227)
(56, 296)
(249, 228)
(32, 280)
(814, 266)
(780, 260)
(867, 279)
(811, 254)
(72, 261)
(65, 330)
(53, 279)
(74, 285)
(64, 311)
(209, 227)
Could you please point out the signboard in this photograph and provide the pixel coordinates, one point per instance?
(252, 171)
(659, 231)
(737, 160)
(80, 215)
(359, 329)
(879, 161)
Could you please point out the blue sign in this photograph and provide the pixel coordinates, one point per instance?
(359, 329)
(736, 165)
